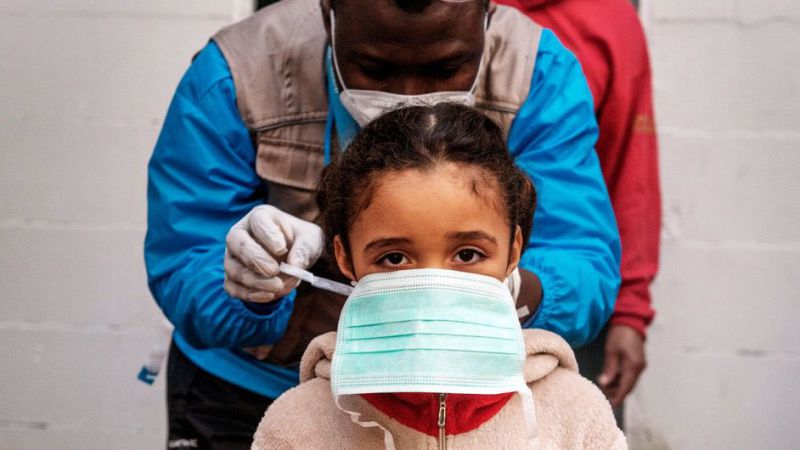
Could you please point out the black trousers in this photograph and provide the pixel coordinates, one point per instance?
(206, 412)
(590, 362)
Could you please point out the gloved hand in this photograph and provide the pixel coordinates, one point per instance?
(256, 245)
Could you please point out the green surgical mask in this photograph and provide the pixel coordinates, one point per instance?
(430, 330)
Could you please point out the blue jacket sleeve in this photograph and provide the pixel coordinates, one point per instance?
(574, 247)
(201, 180)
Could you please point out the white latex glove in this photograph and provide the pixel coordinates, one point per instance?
(256, 245)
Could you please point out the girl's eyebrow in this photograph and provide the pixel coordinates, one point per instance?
(471, 236)
(381, 243)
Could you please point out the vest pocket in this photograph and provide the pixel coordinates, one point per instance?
(291, 171)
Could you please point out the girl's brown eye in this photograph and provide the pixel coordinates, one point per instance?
(393, 259)
(468, 256)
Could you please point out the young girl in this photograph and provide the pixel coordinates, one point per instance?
(427, 214)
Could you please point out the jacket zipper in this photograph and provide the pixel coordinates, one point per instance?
(442, 419)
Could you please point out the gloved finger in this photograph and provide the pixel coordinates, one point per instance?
(610, 369)
(265, 225)
(242, 246)
(306, 248)
(289, 282)
(235, 289)
(262, 296)
(252, 281)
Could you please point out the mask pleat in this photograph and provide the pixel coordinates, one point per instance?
(438, 305)
(447, 342)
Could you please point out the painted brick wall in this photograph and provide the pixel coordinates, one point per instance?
(723, 351)
(84, 85)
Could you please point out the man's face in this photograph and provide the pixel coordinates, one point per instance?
(383, 48)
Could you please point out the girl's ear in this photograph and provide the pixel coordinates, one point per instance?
(342, 259)
(516, 251)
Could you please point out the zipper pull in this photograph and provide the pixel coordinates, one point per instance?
(442, 419)
(442, 410)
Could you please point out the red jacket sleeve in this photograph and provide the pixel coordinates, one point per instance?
(629, 157)
(608, 40)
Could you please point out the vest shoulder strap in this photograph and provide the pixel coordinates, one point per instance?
(509, 58)
(276, 60)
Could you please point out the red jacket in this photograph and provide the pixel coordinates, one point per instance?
(608, 40)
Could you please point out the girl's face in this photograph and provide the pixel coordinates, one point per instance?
(450, 217)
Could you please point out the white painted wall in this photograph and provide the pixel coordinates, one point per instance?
(724, 358)
(84, 85)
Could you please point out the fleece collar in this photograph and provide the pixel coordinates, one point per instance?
(545, 352)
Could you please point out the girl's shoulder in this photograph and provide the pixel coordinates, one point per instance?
(303, 417)
(573, 412)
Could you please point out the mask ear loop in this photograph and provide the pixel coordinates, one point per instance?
(528, 403)
(480, 66)
(529, 413)
(388, 440)
(333, 51)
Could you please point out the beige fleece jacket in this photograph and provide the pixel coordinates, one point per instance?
(572, 413)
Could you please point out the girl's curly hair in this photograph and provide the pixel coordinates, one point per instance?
(420, 137)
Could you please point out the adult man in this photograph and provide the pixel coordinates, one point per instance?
(255, 118)
(608, 40)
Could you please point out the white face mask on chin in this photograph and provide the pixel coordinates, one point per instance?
(365, 105)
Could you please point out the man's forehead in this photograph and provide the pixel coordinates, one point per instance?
(408, 6)
(383, 21)
(380, 29)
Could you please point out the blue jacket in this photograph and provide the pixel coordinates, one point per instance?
(202, 180)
